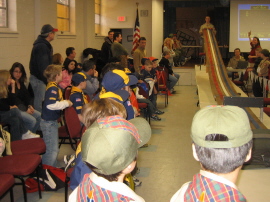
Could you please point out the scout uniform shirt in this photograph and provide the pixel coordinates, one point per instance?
(53, 94)
(78, 98)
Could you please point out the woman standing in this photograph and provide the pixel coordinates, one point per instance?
(254, 43)
(24, 101)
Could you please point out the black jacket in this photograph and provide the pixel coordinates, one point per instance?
(41, 57)
(106, 50)
(165, 63)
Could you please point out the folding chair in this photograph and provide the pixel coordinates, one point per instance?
(21, 166)
(162, 82)
(72, 129)
(28, 146)
(6, 185)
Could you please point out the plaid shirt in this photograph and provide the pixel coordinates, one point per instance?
(203, 189)
(90, 192)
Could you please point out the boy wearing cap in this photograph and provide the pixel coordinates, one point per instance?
(222, 142)
(109, 149)
(115, 85)
(77, 97)
(51, 111)
(41, 57)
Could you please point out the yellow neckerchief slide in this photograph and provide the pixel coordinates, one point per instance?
(75, 89)
(54, 84)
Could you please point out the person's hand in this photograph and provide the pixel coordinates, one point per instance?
(140, 81)
(13, 106)
(250, 56)
(69, 103)
(249, 33)
(95, 73)
(11, 82)
(29, 111)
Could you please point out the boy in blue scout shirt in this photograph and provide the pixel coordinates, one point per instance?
(51, 111)
(77, 97)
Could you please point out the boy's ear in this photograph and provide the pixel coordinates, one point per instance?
(194, 153)
(249, 155)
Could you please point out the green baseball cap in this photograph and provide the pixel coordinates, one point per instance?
(111, 144)
(231, 121)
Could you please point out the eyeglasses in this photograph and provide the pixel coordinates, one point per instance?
(18, 72)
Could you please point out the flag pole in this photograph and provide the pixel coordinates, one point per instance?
(136, 33)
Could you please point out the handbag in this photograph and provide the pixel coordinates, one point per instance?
(5, 135)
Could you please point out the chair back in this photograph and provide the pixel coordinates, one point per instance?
(143, 91)
(72, 123)
(162, 78)
(67, 92)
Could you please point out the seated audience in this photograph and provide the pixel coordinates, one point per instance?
(9, 112)
(24, 101)
(57, 59)
(92, 83)
(222, 142)
(116, 86)
(173, 77)
(104, 136)
(71, 54)
(234, 60)
(167, 46)
(149, 75)
(51, 111)
(264, 65)
(77, 96)
(68, 70)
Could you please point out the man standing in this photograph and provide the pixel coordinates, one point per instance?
(206, 25)
(92, 84)
(41, 57)
(106, 47)
(71, 54)
(139, 53)
(118, 50)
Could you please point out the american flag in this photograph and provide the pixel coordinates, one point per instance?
(136, 33)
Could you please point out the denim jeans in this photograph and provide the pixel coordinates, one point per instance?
(173, 79)
(31, 121)
(14, 119)
(39, 89)
(50, 137)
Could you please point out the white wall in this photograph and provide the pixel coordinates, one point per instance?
(113, 8)
(33, 14)
(157, 27)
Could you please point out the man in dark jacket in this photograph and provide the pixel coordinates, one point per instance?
(106, 47)
(41, 57)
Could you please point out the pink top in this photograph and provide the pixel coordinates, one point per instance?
(66, 79)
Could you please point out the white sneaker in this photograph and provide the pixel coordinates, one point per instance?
(29, 135)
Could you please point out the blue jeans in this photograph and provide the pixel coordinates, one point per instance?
(39, 89)
(14, 119)
(173, 79)
(31, 121)
(50, 137)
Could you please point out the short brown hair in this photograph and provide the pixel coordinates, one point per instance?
(100, 109)
(148, 63)
(51, 72)
(57, 57)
